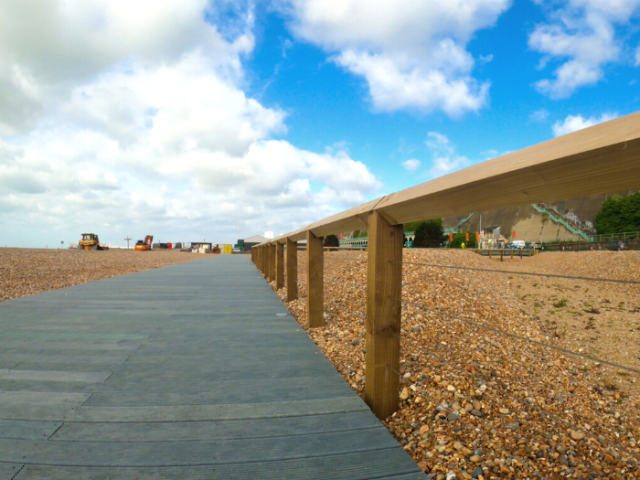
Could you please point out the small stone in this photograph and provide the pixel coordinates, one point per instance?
(424, 429)
(476, 472)
(355, 343)
(451, 388)
(475, 458)
(453, 417)
(504, 411)
(451, 476)
(458, 446)
(404, 394)
(575, 435)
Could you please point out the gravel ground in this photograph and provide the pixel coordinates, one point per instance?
(29, 271)
(480, 404)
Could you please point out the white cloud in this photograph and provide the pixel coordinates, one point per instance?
(445, 159)
(582, 34)
(137, 123)
(539, 116)
(637, 62)
(573, 123)
(411, 165)
(412, 57)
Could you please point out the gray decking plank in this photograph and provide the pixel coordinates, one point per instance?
(356, 466)
(214, 430)
(23, 430)
(191, 371)
(167, 454)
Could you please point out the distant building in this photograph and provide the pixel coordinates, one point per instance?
(250, 242)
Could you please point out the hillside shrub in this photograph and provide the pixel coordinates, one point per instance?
(619, 214)
(429, 234)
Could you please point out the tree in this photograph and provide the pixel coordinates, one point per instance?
(429, 234)
(619, 214)
(331, 241)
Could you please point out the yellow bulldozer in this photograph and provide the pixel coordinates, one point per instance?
(90, 241)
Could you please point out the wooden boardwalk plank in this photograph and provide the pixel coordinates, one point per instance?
(195, 370)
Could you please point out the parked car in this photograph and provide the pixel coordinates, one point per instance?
(618, 245)
(533, 246)
(516, 244)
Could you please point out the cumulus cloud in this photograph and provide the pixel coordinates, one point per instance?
(411, 165)
(573, 123)
(582, 35)
(637, 59)
(412, 57)
(445, 159)
(129, 118)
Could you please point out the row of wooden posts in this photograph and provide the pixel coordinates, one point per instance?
(384, 290)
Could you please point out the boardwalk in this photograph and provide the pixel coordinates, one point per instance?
(190, 371)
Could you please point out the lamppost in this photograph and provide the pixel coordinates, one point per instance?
(127, 240)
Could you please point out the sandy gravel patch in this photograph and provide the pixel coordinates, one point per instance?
(29, 271)
(476, 403)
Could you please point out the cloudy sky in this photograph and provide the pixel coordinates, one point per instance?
(209, 119)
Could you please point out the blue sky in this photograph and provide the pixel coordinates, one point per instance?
(198, 119)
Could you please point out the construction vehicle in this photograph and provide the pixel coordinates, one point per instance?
(142, 246)
(90, 241)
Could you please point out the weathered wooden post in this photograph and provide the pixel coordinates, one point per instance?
(279, 265)
(384, 289)
(272, 262)
(315, 281)
(501, 255)
(292, 270)
(489, 254)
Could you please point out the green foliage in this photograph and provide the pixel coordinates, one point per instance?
(619, 214)
(331, 241)
(560, 303)
(429, 234)
(411, 226)
(461, 237)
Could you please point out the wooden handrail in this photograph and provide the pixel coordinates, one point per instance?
(601, 159)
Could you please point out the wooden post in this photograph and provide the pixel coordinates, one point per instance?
(501, 255)
(292, 270)
(315, 281)
(272, 262)
(489, 254)
(521, 253)
(384, 289)
(512, 254)
(279, 265)
(265, 261)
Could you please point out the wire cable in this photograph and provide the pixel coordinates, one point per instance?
(520, 337)
(569, 277)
